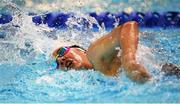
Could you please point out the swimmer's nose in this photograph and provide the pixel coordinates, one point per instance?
(62, 61)
(65, 62)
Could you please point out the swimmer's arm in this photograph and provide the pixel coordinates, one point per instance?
(137, 72)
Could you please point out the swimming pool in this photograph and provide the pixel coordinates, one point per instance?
(28, 73)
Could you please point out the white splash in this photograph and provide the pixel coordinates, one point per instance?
(146, 57)
(46, 79)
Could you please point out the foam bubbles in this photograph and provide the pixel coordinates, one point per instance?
(45, 78)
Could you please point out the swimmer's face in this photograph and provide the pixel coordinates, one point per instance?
(73, 59)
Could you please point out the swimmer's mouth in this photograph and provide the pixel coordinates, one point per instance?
(69, 64)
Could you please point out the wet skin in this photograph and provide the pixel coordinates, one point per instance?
(75, 58)
(103, 54)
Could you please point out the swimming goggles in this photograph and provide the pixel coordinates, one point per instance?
(62, 51)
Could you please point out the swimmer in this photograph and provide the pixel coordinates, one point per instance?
(103, 54)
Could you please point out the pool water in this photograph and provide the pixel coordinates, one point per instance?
(28, 73)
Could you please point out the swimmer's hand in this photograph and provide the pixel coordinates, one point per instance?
(137, 72)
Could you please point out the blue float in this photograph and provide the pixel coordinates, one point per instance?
(122, 17)
(137, 16)
(105, 18)
(37, 20)
(151, 19)
(56, 20)
(5, 18)
(172, 18)
(93, 14)
(148, 19)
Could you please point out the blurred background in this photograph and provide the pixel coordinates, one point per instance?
(113, 6)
